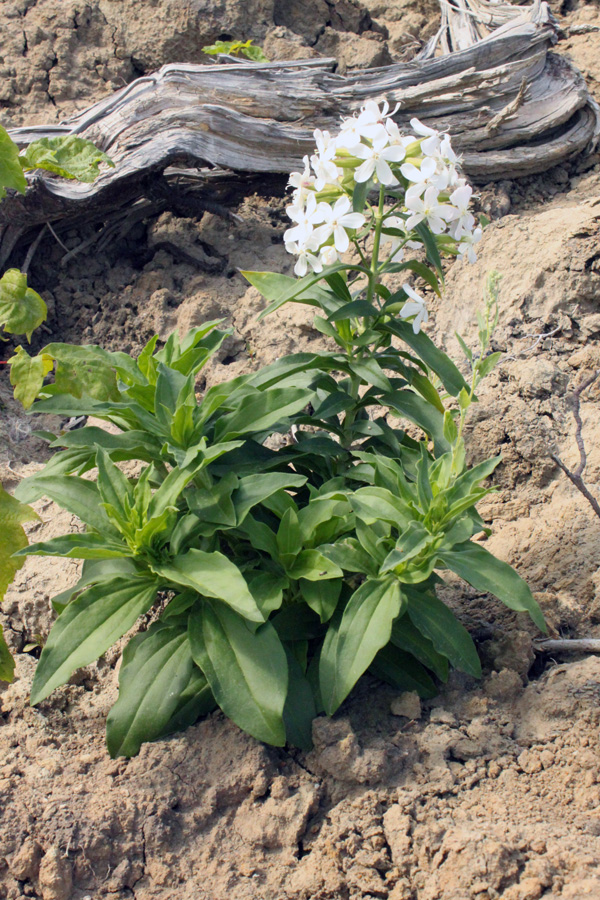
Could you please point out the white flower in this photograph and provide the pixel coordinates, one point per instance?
(426, 209)
(335, 221)
(350, 133)
(466, 245)
(303, 182)
(395, 136)
(306, 256)
(328, 255)
(450, 160)
(322, 162)
(305, 217)
(372, 120)
(396, 250)
(432, 137)
(377, 159)
(425, 176)
(414, 307)
(463, 221)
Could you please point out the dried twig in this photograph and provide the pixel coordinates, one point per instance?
(576, 475)
(56, 237)
(539, 338)
(585, 645)
(32, 249)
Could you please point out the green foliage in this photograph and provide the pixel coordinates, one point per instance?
(21, 309)
(68, 156)
(12, 517)
(288, 573)
(236, 48)
(277, 577)
(11, 172)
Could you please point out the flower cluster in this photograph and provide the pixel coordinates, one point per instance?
(419, 169)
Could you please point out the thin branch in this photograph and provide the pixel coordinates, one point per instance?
(586, 645)
(56, 237)
(32, 249)
(576, 476)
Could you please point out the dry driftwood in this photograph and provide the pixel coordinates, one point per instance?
(512, 107)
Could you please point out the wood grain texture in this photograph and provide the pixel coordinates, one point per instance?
(488, 78)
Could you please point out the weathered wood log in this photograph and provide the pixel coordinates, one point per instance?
(488, 78)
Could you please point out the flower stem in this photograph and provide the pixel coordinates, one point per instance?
(376, 242)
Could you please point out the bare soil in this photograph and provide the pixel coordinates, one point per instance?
(492, 790)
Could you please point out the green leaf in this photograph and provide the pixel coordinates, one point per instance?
(267, 589)
(469, 480)
(27, 374)
(133, 444)
(212, 575)
(78, 546)
(410, 639)
(297, 623)
(487, 573)
(68, 156)
(76, 495)
(158, 680)
(93, 571)
(427, 390)
(398, 299)
(433, 619)
(371, 373)
(350, 556)
(262, 411)
(413, 540)
(254, 489)
(450, 429)
(353, 640)
(282, 289)
(11, 173)
(465, 349)
(372, 504)
(486, 365)
(289, 537)
(359, 196)
(321, 596)
(254, 53)
(319, 511)
(413, 407)
(89, 625)
(21, 309)
(84, 371)
(113, 486)
(7, 663)
(434, 359)
(337, 283)
(300, 709)
(403, 672)
(312, 565)
(247, 671)
(431, 248)
(354, 309)
(235, 48)
(12, 517)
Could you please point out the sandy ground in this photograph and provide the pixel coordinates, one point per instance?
(492, 790)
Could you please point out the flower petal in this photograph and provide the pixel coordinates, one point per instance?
(341, 239)
(364, 171)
